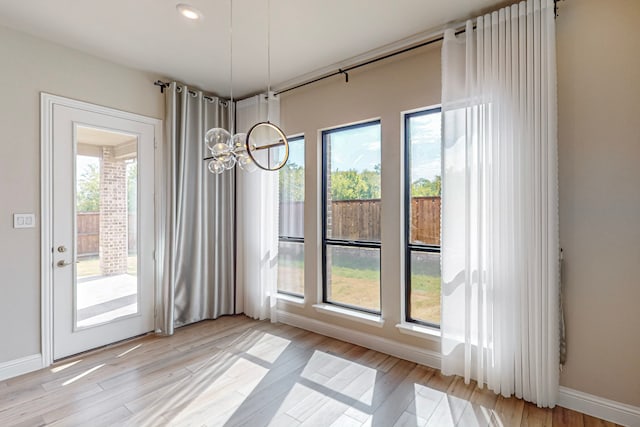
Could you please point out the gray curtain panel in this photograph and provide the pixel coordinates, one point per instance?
(197, 226)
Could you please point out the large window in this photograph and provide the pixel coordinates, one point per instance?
(351, 169)
(291, 221)
(423, 172)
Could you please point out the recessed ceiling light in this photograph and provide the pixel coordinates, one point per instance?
(189, 12)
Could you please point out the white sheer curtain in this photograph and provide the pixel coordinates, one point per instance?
(500, 247)
(257, 221)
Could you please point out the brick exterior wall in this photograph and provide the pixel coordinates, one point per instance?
(113, 214)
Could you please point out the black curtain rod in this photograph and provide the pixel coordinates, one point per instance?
(345, 71)
(164, 85)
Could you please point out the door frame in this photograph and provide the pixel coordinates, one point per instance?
(47, 101)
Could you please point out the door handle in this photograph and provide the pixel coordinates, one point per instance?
(62, 263)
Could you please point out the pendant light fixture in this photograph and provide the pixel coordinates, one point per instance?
(254, 149)
(266, 135)
(226, 147)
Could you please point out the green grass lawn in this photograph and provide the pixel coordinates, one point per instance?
(354, 286)
(360, 287)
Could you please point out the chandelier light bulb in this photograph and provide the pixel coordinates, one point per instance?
(246, 163)
(216, 166)
(220, 149)
(216, 136)
(238, 142)
(228, 161)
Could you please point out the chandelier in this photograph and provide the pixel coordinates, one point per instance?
(264, 147)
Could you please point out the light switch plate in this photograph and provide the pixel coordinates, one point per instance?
(26, 220)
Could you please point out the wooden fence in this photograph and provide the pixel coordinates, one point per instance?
(88, 224)
(425, 220)
(354, 220)
(349, 220)
(360, 219)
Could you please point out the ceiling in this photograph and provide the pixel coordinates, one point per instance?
(101, 137)
(306, 35)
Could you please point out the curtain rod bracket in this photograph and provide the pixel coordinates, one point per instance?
(555, 8)
(346, 75)
(161, 84)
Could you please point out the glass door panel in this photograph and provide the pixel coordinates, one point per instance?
(106, 280)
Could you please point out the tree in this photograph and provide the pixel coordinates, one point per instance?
(88, 197)
(354, 185)
(132, 186)
(425, 188)
(373, 180)
(291, 181)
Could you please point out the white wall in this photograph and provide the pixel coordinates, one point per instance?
(29, 66)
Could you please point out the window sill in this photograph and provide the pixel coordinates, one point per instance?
(345, 313)
(290, 299)
(425, 332)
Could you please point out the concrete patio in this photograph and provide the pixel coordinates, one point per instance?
(101, 299)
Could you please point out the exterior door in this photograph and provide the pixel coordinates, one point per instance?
(103, 229)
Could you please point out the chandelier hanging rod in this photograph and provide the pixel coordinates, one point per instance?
(262, 147)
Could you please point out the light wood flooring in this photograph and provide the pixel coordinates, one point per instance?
(238, 372)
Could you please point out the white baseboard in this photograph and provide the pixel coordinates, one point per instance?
(383, 345)
(599, 407)
(575, 400)
(16, 367)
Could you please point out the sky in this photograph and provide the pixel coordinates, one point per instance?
(355, 148)
(82, 163)
(359, 148)
(296, 151)
(426, 148)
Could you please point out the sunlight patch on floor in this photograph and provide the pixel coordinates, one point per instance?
(295, 394)
(426, 400)
(350, 380)
(219, 397)
(84, 374)
(475, 415)
(65, 366)
(124, 353)
(269, 347)
(319, 363)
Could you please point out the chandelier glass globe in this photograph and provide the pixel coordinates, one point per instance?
(216, 167)
(217, 140)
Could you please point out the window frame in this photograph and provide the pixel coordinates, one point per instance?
(366, 244)
(292, 239)
(414, 247)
